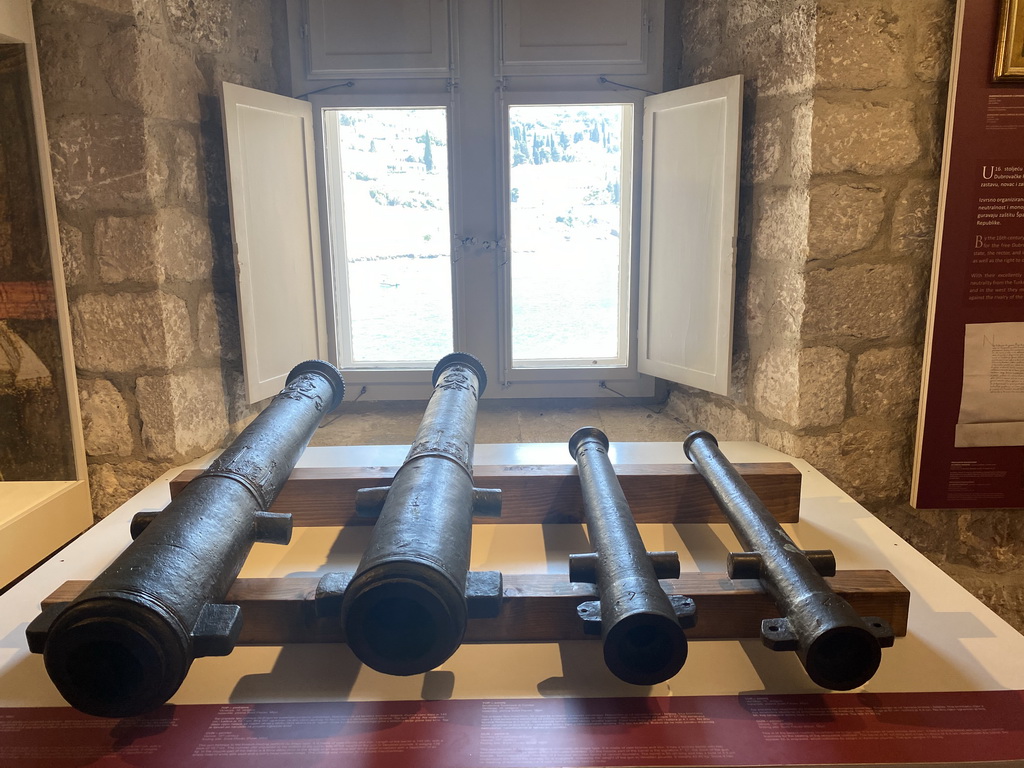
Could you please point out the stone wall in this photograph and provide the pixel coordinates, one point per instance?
(130, 89)
(844, 117)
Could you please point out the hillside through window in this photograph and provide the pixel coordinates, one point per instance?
(569, 233)
(392, 220)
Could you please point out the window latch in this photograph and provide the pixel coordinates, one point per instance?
(464, 243)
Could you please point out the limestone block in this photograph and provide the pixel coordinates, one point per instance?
(129, 332)
(701, 22)
(207, 25)
(777, 384)
(802, 387)
(800, 142)
(926, 530)
(240, 411)
(754, 304)
(822, 387)
(933, 41)
(780, 54)
(70, 80)
(699, 410)
(844, 218)
(739, 375)
(864, 137)
(183, 414)
(913, 221)
(886, 382)
(775, 304)
(867, 301)
(254, 33)
(875, 465)
(111, 485)
(212, 162)
(75, 269)
(229, 327)
(979, 541)
(211, 309)
(780, 225)
(817, 451)
(152, 75)
(125, 7)
(988, 541)
(185, 184)
(104, 419)
(140, 10)
(872, 465)
(740, 15)
(762, 156)
(859, 46)
(172, 244)
(104, 162)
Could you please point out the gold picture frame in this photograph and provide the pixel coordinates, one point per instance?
(1010, 43)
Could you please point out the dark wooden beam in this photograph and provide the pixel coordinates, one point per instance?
(660, 493)
(542, 608)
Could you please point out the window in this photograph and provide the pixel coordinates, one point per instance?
(494, 210)
(388, 214)
(569, 227)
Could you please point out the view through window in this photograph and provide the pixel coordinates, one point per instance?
(568, 248)
(568, 235)
(394, 223)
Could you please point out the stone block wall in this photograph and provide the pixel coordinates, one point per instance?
(844, 118)
(131, 94)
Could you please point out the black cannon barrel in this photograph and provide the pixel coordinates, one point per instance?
(839, 649)
(124, 646)
(405, 610)
(641, 627)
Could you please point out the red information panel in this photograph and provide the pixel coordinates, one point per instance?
(970, 450)
(758, 730)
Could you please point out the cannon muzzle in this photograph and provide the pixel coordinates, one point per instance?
(124, 646)
(405, 610)
(642, 628)
(839, 649)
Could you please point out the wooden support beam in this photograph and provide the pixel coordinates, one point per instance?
(660, 493)
(542, 608)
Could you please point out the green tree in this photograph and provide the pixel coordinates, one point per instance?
(428, 154)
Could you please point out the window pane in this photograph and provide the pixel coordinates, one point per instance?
(394, 225)
(569, 270)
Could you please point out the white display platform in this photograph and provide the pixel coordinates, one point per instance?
(954, 643)
(36, 518)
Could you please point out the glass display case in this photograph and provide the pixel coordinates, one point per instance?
(44, 497)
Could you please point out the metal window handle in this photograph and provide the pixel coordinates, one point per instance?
(463, 243)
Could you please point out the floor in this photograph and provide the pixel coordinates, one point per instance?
(502, 422)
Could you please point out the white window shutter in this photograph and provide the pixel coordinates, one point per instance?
(275, 225)
(688, 233)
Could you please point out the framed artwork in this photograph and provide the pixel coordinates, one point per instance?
(1010, 43)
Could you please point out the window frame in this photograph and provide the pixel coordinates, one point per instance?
(394, 381)
(480, 277)
(633, 154)
(334, 276)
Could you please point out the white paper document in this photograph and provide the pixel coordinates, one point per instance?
(992, 403)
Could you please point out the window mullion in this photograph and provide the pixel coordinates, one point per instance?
(475, 185)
